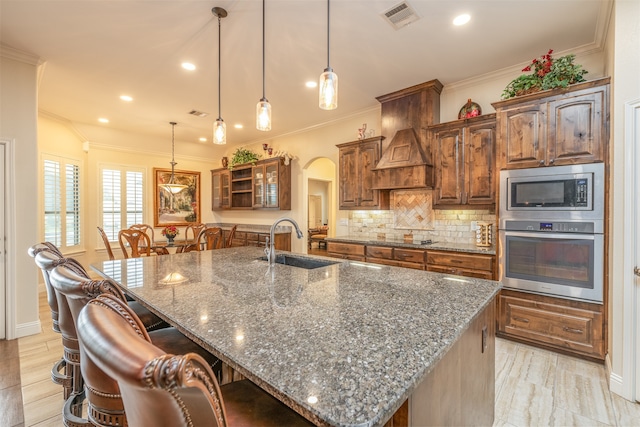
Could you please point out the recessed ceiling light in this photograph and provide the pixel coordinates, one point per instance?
(202, 139)
(311, 84)
(461, 19)
(238, 126)
(103, 120)
(188, 66)
(126, 98)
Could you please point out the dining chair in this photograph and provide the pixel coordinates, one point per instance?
(134, 243)
(160, 388)
(107, 245)
(148, 230)
(208, 239)
(232, 233)
(194, 230)
(104, 404)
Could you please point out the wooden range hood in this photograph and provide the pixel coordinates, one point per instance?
(403, 164)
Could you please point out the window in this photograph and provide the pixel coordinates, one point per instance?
(62, 202)
(122, 198)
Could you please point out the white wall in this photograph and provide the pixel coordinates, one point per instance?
(18, 122)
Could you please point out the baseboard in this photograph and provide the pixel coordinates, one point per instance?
(616, 384)
(30, 328)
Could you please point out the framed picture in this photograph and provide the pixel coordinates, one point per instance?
(181, 208)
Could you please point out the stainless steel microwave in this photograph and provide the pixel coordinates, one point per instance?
(556, 192)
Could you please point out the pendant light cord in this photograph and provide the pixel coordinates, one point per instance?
(328, 18)
(219, 56)
(263, 44)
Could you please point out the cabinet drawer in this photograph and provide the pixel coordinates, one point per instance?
(345, 248)
(382, 261)
(577, 328)
(479, 274)
(409, 255)
(458, 260)
(414, 265)
(379, 252)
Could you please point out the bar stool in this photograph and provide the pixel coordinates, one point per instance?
(164, 389)
(104, 403)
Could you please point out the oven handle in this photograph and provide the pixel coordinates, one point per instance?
(549, 235)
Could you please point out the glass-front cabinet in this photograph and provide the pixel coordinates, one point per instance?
(220, 189)
(265, 186)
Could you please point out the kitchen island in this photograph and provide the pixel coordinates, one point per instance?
(346, 344)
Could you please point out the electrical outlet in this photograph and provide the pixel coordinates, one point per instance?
(344, 221)
(474, 225)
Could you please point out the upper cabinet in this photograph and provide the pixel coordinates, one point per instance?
(264, 185)
(554, 127)
(356, 161)
(464, 169)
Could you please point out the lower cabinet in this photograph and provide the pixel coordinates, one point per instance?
(461, 264)
(449, 262)
(282, 241)
(352, 251)
(572, 326)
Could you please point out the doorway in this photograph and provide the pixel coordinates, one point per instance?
(3, 240)
(321, 206)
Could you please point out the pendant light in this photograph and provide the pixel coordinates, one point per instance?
(219, 127)
(328, 80)
(263, 108)
(171, 186)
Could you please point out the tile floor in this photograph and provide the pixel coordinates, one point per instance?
(534, 387)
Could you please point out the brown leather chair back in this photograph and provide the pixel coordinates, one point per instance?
(134, 243)
(107, 245)
(51, 294)
(105, 407)
(232, 233)
(156, 388)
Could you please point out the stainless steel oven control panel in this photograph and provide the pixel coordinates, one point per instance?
(586, 227)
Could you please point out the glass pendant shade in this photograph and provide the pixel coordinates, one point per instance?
(263, 115)
(328, 90)
(219, 132)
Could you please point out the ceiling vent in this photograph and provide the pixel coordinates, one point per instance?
(400, 15)
(198, 113)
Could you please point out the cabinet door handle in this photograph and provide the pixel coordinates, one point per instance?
(572, 330)
(456, 261)
(636, 271)
(542, 162)
(521, 319)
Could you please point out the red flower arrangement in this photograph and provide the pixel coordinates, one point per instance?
(543, 66)
(170, 231)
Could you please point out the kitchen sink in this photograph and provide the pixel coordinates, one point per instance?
(301, 262)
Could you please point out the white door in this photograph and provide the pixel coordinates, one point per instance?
(315, 211)
(633, 136)
(3, 246)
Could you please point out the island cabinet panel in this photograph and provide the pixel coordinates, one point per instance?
(356, 161)
(461, 264)
(571, 326)
(352, 251)
(460, 391)
(465, 171)
(555, 127)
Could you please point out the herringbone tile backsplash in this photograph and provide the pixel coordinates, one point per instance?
(412, 213)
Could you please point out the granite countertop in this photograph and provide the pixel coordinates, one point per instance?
(400, 243)
(344, 345)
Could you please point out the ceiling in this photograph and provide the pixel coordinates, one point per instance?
(96, 50)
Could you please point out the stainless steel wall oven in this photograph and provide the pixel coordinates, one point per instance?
(551, 230)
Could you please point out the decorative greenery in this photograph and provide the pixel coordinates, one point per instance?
(548, 73)
(242, 156)
(170, 231)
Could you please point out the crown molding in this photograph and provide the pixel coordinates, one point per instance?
(12, 53)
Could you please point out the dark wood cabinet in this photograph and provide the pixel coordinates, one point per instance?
(462, 264)
(281, 241)
(264, 185)
(356, 161)
(352, 251)
(575, 327)
(220, 189)
(465, 171)
(555, 127)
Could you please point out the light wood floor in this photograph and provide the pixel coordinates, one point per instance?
(533, 387)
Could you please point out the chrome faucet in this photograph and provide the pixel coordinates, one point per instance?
(269, 249)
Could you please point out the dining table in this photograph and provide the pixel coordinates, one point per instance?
(341, 342)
